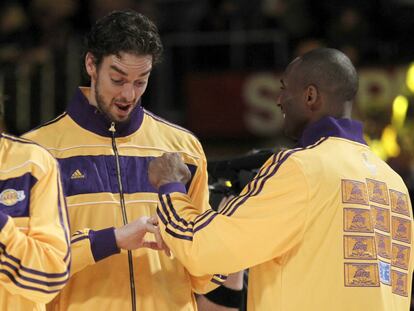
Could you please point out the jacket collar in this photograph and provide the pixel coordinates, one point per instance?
(332, 127)
(91, 119)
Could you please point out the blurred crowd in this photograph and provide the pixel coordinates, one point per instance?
(368, 31)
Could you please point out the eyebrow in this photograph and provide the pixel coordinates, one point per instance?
(118, 70)
(282, 82)
(145, 73)
(125, 74)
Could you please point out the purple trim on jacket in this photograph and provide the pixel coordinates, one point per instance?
(103, 243)
(3, 220)
(172, 187)
(91, 119)
(331, 127)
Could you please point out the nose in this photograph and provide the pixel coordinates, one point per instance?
(128, 92)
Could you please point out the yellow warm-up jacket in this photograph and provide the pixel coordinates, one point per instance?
(327, 226)
(104, 173)
(34, 231)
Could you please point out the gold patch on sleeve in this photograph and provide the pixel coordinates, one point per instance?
(381, 218)
(383, 245)
(361, 275)
(354, 192)
(401, 229)
(399, 283)
(357, 220)
(377, 191)
(359, 247)
(400, 256)
(399, 202)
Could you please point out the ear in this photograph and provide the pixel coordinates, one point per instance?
(90, 65)
(312, 97)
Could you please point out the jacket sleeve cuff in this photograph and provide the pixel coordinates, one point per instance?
(3, 220)
(103, 243)
(172, 187)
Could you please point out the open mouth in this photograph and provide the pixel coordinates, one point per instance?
(123, 108)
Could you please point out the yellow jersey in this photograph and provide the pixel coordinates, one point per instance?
(326, 226)
(34, 231)
(104, 174)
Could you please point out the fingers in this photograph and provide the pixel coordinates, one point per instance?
(167, 250)
(158, 244)
(153, 220)
(152, 226)
(152, 245)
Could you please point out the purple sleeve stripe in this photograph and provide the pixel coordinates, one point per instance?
(256, 190)
(234, 201)
(172, 187)
(103, 243)
(163, 208)
(32, 271)
(3, 220)
(168, 230)
(206, 223)
(167, 214)
(200, 217)
(35, 281)
(263, 171)
(68, 255)
(12, 278)
(177, 235)
(258, 184)
(63, 223)
(176, 216)
(161, 216)
(73, 241)
(190, 225)
(61, 211)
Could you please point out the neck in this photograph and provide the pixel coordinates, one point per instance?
(90, 94)
(342, 110)
(347, 111)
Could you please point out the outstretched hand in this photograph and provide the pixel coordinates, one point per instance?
(132, 235)
(166, 169)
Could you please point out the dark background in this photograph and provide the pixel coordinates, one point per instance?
(222, 64)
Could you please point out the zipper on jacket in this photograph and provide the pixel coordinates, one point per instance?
(124, 215)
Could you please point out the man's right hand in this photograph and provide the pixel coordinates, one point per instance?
(132, 236)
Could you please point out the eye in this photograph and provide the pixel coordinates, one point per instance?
(140, 83)
(117, 82)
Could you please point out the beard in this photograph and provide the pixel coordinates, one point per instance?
(104, 107)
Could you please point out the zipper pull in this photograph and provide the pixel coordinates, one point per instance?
(112, 128)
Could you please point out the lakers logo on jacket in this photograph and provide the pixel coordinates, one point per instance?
(10, 197)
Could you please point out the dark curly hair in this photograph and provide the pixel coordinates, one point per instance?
(123, 31)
